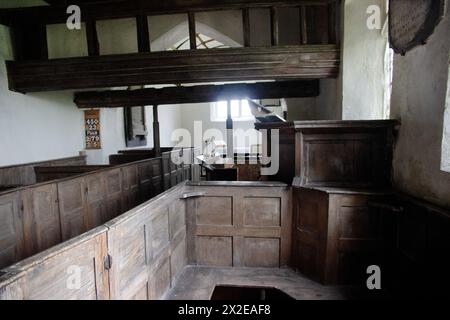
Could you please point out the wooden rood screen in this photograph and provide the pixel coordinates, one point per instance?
(40, 216)
(140, 254)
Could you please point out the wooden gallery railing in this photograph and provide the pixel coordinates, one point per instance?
(37, 217)
(140, 254)
(314, 54)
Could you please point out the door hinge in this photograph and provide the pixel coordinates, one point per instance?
(108, 262)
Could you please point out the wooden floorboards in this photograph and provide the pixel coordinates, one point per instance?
(198, 283)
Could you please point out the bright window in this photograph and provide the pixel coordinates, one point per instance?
(240, 110)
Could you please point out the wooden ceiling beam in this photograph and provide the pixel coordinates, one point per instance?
(196, 94)
(132, 8)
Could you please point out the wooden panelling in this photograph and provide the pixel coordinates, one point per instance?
(145, 174)
(337, 235)
(299, 62)
(52, 212)
(215, 211)
(214, 251)
(11, 285)
(417, 248)
(335, 153)
(73, 270)
(44, 173)
(235, 224)
(146, 255)
(23, 174)
(159, 281)
(262, 212)
(262, 252)
(41, 224)
(158, 233)
(11, 233)
(131, 187)
(349, 157)
(72, 207)
(341, 160)
(178, 257)
(310, 226)
(127, 245)
(95, 200)
(355, 231)
(177, 221)
(114, 192)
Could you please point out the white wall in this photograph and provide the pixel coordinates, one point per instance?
(37, 126)
(418, 100)
(363, 50)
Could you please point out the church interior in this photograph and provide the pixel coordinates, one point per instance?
(224, 149)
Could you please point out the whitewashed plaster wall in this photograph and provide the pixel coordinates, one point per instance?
(418, 100)
(363, 52)
(37, 126)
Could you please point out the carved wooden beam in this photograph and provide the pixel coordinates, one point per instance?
(197, 94)
(192, 66)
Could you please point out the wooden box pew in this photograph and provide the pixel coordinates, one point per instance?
(148, 246)
(73, 270)
(45, 173)
(337, 234)
(118, 159)
(24, 175)
(141, 254)
(246, 167)
(149, 151)
(40, 216)
(239, 224)
(334, 153)
(417, 247)
(132, 155)
(177, 163)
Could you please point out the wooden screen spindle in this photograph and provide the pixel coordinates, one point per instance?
(143, 36)
(303, 26)
(274, 26)
(192, 31)
(246, 26)
(156, 137)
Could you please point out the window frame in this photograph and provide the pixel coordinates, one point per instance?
(130, 140)
(214, 112)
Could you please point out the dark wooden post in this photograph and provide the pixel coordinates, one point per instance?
(246, 26)
(156, 137)
(142, 33)
(333, 22)
(274, 26)
(192, 31)
(29, 41)
(229, 126)
(92, 39)
(303, 26)
(43, 41)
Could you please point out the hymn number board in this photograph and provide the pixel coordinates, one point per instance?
(92, 129)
